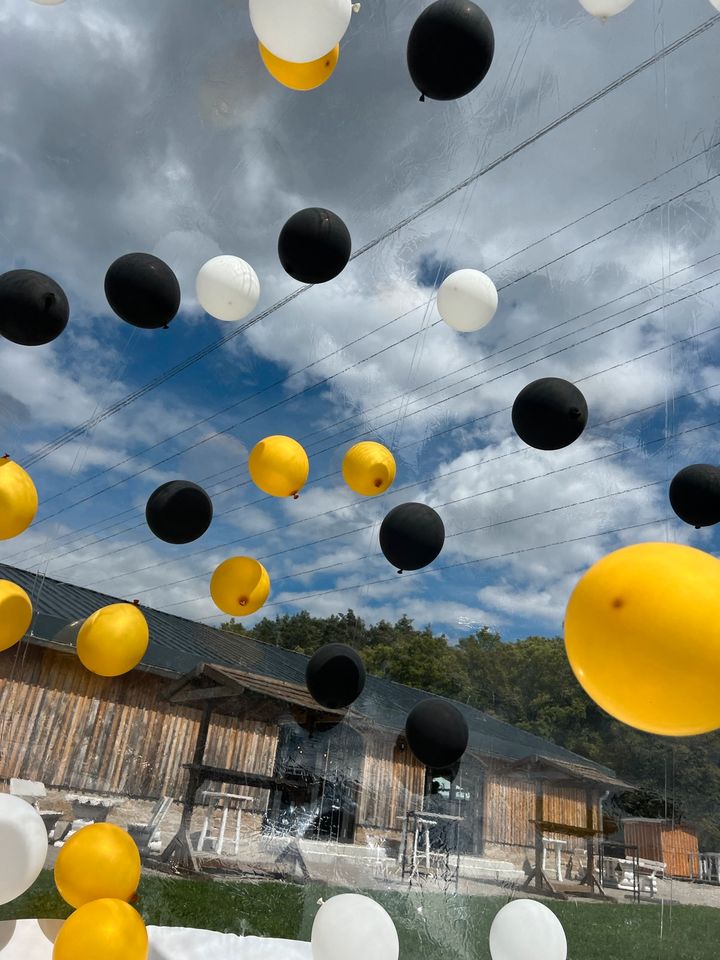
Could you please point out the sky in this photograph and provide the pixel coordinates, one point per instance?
(136, 127)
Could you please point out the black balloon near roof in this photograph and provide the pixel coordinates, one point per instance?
(142, 290)
(33, 308)
(695, 494)
(411, 536)
(314, 245)
(549, 414)
(335, 675)
(450, 49)
(437, 733)
(179, 512)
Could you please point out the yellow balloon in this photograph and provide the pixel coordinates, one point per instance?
(15, 614)
(113, 640)
(18, 499)
(107, 929)
(300, 76)
(101, 861)
(368, 468)
(279, 466)
(642, 634)
(240, 586)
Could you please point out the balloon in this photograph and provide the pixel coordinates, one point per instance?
(99, 862)
(467, 300)
(179, 511)
(335, 675)
(411, 536)
(549, 414)
(715, 3)
(527, 930)
(642, 634)
(300, 30)
(368, 468)
(18, 499)
(605, 8)
(450, 49)
(110, 929)
(279, 466)
(23, 844)
(227, 288)
(142, 290)
(240, 586)
(355, 928)
(48, 3)
(113, 640)
(695, 494)
(314, 245)
(33, 308)
(16, 614)
(437, 733)
(301, 76)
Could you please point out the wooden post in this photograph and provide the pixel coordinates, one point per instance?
(179, 850)
(539, 849)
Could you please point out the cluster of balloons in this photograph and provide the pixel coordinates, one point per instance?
(97, 872)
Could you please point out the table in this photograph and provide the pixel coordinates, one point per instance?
(422, 823)
(28, 940)
(555, 846)
(86, 810)
(216, 799)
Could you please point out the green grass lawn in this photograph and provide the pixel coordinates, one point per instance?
(431, 926)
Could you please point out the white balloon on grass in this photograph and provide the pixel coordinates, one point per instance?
(227, 288)
(467, 300)
(23, 846)
(353, 927)
(605, 8)
(300, 30)
(527, 930)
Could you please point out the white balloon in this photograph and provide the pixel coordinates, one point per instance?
(527, 930)
(467, 300)
(300, 30)
(716, 4)
(48, 3)
(605, 8)
(23, 846)
(227, 288)
(353, 927)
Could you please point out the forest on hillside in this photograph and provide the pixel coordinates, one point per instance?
(528, 683)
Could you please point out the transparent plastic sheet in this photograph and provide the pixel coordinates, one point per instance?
(605, 225)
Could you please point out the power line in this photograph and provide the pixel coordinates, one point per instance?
(114, 408)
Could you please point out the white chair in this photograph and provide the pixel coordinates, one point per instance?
(147, 835)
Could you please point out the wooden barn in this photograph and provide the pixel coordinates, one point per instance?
(208, 706)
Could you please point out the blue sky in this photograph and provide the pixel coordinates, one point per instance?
(127, 130)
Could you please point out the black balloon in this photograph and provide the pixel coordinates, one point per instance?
(314, 245)
(33, 308)
(335, 675)
(142, 290)
(450, 49)
(437, 733)
(695, 495)
(549, 414)
(179, 512)
(411, 536)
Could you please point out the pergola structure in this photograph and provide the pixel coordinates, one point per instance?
(242, 695)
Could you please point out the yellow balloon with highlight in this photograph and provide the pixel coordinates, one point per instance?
(101, 861)
(300, 76)
(368, 468)
(240, 586)
(113, 640)
(103, 930)
(16, 614)
(642, 634)
(18, 499)
(279, 466)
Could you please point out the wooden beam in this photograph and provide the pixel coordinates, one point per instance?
(204, 693)
(183, 681)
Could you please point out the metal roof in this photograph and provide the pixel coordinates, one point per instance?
(178, 645)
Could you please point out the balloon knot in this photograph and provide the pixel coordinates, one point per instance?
(422, 98)
(356, 7)
(48, 301)
(6, 456)
(166, 326)
(378, 482)
(399, 571)
(242, 601)
(295, 496)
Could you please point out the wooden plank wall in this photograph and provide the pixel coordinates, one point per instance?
(68, 728)
(392, 783)
(510, 807)
(676, 847)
